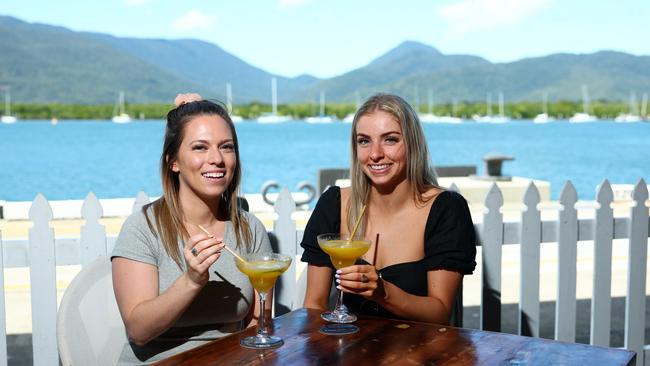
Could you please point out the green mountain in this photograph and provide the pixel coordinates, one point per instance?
(44, 63)
(412, 69)
(208, 65)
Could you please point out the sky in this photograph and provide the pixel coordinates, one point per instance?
(326, 38)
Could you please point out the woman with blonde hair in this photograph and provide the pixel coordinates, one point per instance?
(174, 286)
(426, 239)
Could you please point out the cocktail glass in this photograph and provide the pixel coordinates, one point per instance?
(262, 270)
(343, 252)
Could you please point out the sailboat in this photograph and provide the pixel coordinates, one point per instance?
(584, 116)
(273, 117)
(350, 116)
(321, 118)
(233, 117)
(119, 115)
(7, 117)
(633, 113)
(489, 118)
(544, 117)
(431, 117)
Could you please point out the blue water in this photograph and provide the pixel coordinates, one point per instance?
(70, 159)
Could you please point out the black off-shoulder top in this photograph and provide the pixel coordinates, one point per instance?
(449, 243)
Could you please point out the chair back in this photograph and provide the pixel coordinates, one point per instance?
(89, 328)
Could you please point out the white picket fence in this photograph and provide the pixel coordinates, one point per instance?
(43, 252)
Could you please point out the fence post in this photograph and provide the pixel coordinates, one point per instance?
(601, 299)
(284, 229)
(93, 234)
(565, 308)
(636, 273)
(42, 271)
(141, 199)
(529, 264)
(492, 238)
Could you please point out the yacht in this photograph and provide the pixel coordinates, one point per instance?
(7, 117)
(434, 118)
(348, 118)
(544, 117)
(273, 117)
(584, 116)
(633, 113)
(233, 117)
(321, 118)
(120, 115)
(489, 118)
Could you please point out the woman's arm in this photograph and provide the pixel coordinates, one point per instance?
(319, 283)
(442, 286)
(145, 312)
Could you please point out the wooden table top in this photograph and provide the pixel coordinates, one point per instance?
(393, 342)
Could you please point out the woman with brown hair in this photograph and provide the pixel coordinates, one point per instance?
(426, 239)
(174, 286)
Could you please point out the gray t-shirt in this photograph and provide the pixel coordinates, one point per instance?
(217, 310)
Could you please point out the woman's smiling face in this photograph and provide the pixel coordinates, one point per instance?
(381, 151)
(206, 159)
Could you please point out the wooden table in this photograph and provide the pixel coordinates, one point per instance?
(393, 342)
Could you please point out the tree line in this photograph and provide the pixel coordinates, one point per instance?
(518, 110)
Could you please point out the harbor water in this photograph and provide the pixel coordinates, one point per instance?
(69, 159)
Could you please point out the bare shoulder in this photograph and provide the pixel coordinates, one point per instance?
(432, 194)
(345, 194)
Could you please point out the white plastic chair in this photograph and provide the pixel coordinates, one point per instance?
(89, 327)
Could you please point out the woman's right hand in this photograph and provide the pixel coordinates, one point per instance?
(200, 252)
(184, 98)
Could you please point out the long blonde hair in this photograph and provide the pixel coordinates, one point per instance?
(167, 210)
(419, 173)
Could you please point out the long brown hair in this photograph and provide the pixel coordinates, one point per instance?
(419, 174)
(167, 209)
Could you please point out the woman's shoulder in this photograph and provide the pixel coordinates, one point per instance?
(141, 217)
(445, 197)
(331, 198)
(253, 221)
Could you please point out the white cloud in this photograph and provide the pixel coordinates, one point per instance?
(467, 16)
(292, 3)
(194, 19)
(136, 2)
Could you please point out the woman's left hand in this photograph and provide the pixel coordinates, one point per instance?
(362, 280)
(184, 98)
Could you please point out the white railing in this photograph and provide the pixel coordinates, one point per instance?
(43, 252)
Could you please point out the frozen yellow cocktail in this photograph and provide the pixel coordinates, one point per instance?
(344, 253)
(263, 273)
(262, 270)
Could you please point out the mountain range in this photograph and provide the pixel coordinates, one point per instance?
(51, 64)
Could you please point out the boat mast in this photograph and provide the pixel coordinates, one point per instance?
(585, 99)
(274, 95)
(7, 102)
(229, 97)
(322, 103)
(501, 106)
(489, 104)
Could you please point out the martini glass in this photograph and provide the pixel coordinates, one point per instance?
(343, 252)
(262, 270)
